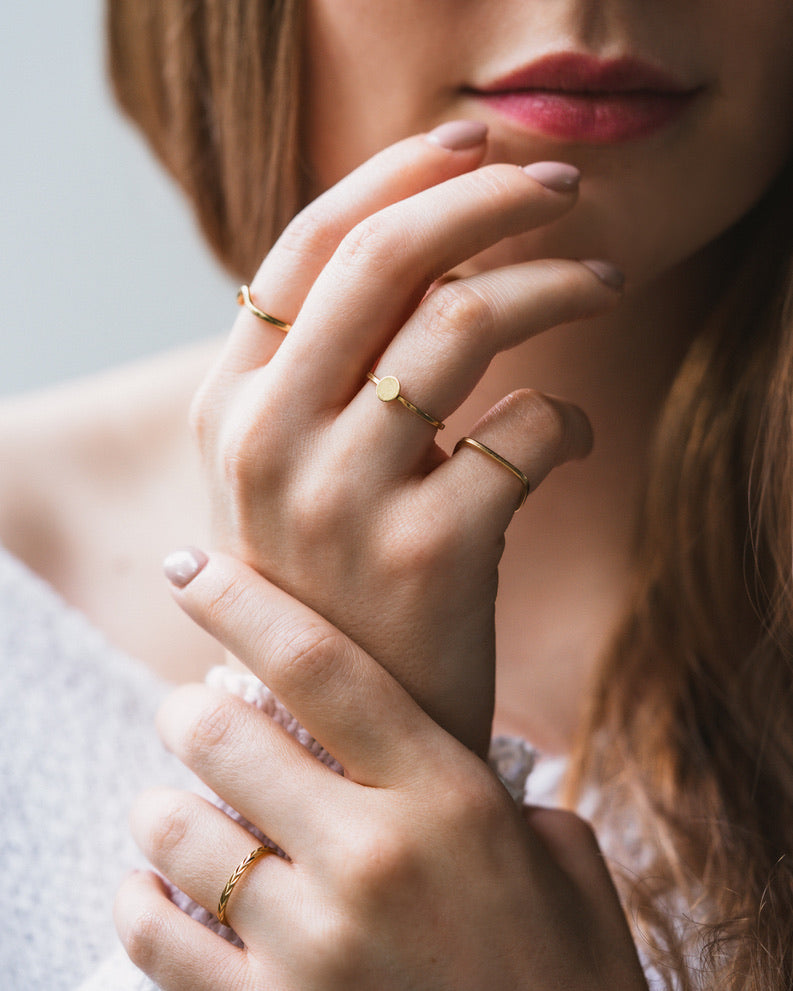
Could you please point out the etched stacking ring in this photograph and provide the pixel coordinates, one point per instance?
(239, 870)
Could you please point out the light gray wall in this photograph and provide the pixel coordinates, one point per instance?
(100, 259)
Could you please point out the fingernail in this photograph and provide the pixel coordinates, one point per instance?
(558, 176)
(457, 135)
(606, 272)
(182, 566)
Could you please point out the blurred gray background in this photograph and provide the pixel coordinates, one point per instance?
(101, 262)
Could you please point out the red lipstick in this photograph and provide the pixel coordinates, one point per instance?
(585, 99)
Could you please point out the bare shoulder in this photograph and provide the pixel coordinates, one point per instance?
(99, 480)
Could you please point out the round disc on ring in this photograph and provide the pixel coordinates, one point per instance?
(388, 388)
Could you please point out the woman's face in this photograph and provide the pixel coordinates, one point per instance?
(679, 113)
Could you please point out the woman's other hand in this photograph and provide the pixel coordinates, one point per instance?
(349, 503)
(414, 870)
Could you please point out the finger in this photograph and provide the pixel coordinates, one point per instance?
(252, 764)
(350, 704)
(197, 847)
(446, 346)
(384, 266)
(574, 849)
(291, 267)
(532, 431)
(175, 951)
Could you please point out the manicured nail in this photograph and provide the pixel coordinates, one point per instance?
(558, 176)
(606, 272)
(182, 566)
(457, 135)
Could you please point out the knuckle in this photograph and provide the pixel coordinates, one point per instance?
(212, 728)
(167, 829)
(374, 243)
(198, 417)
(480, 806)
(307, 653)
(143, 936)
(383, 862)
(545, 417)
(313, 232)
(459, 314)
(494, 180)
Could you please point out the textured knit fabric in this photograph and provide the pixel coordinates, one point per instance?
(76, 744)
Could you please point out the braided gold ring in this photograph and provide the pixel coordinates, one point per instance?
(388, 389)
(479, 446)
(244, 299)
(239, 870)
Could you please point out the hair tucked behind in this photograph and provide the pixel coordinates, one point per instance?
(690, 737)
(691, 731)
(215, 87)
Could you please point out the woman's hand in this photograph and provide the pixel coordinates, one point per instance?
(348, 502)
(414, 871)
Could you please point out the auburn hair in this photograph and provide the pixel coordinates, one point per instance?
(215, 86)
(688, 743)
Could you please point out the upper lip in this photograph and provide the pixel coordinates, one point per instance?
(580, 73)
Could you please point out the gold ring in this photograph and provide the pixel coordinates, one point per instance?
(479, 446)
(388, 389)
(244, 299)
(239, 870)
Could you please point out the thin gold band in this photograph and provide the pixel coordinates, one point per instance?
(244, 299)
(388, 389)
(479, 446)
(239, 870)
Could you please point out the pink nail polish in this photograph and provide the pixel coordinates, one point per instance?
(182, 566)
(457, 135)
(558, 176)
(606, 272)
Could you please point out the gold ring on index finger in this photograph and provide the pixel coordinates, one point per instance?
(388, 389)
(244, 299)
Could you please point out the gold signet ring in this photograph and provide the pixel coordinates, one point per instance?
(388, 389)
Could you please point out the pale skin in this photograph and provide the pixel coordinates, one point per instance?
(566, 564)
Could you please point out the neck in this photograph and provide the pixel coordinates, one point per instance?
(567, 565)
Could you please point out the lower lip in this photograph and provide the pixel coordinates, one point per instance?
(594, 118)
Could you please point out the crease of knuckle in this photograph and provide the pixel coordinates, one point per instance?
(459, 316)
(169, 828)
(312, 233)
(306, 654)
(498, 179)
(144, 938)
(213, 728)
(545, 417)
(374, 244)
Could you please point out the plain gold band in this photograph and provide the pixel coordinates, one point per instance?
(479, 446)
(239, 870)
(244, 299)
(389, 389)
